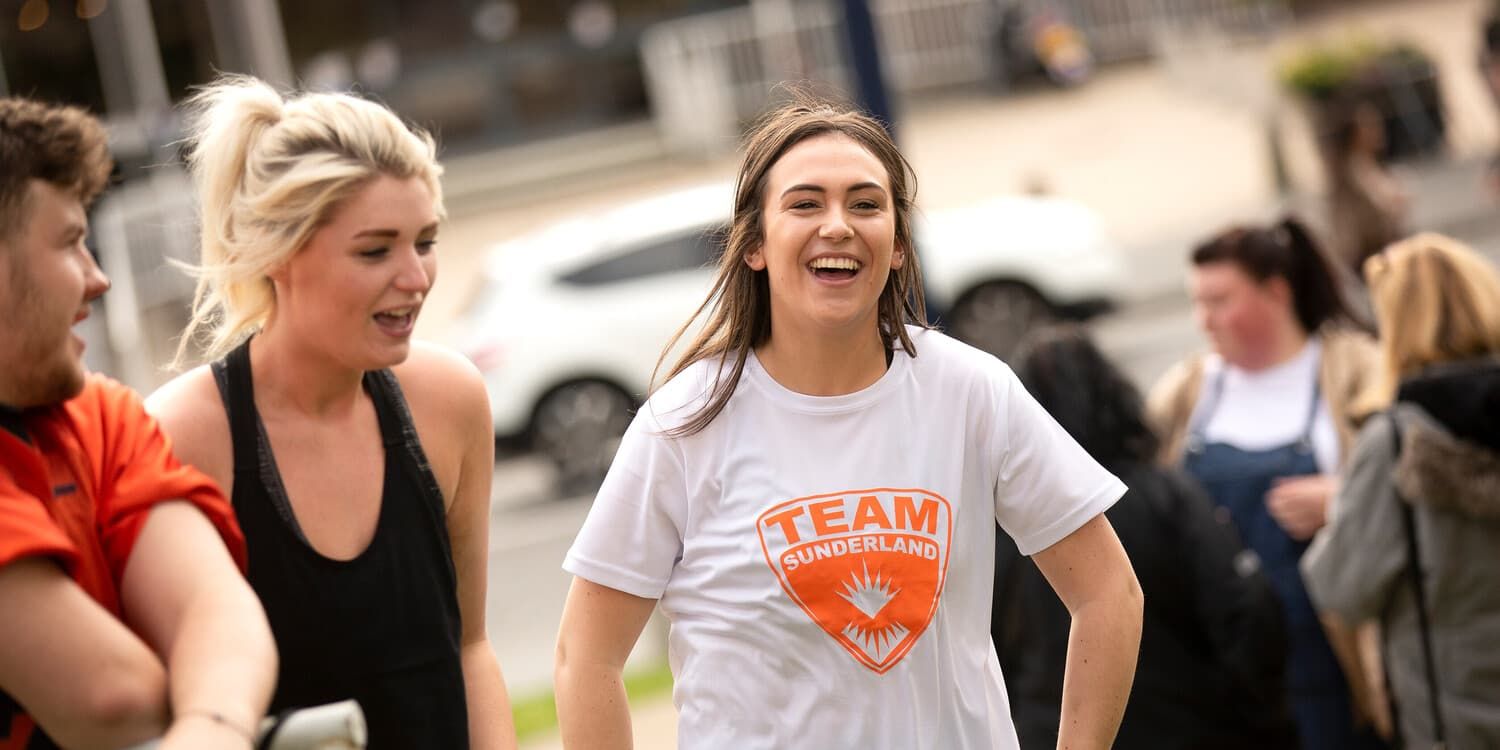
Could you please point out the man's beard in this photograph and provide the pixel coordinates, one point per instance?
(46, 375)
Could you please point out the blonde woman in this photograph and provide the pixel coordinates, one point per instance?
(1412, 535)
(357, 460)
(812, 494)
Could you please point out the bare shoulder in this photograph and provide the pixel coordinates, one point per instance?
(190, 411)
(442, 383)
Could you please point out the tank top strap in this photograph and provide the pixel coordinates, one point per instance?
(400, 435)
(1211, 393)
(1312, 409)
(390, 408)
(237, 389)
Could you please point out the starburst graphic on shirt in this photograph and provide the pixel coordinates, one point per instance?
(869, 596)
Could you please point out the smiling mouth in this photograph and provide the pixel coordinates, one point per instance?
(398, 318)
(834, 269)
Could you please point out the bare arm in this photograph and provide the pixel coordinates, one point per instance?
(81, 674)
(599, 628)
(183, 593)
(491, 724)
(1092, 575)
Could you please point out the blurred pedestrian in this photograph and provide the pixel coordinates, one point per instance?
(1212, 668)
(1412, 537)
(1367, 204)
(1489, 70)
(126, 617)
(358, 462)
(813, 501)
(1263, 423)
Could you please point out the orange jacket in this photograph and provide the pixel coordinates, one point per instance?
(80, 491)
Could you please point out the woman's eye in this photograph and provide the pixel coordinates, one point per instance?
(373, 253)
(866, 205)
(425, 246)
(804, 204)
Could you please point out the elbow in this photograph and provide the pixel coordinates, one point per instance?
(122, 704)
(560, 663)
(1137, 606)
(1135, 597)
(1128, 604)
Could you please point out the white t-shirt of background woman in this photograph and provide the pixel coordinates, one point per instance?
(827, 563)
(1268, 408)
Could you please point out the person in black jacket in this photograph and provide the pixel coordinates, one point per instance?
(1213, 648)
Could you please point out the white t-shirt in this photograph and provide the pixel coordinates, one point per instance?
(827, 563)
(1268, 408)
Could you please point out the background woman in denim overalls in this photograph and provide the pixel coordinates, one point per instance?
(1263, 424)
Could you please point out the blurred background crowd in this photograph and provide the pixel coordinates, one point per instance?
(1075, 158)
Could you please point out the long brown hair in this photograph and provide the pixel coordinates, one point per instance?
(739, 304)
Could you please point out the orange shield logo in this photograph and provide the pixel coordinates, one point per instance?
(867, 566)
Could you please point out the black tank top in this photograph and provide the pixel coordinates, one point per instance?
(382, 628)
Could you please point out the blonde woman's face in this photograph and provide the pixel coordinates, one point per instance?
(355, 289)
(829, 229)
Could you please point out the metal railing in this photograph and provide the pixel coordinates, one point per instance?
(709, 74)
(1121, 30)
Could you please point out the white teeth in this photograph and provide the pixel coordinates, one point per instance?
(401, 313)
(838, 264)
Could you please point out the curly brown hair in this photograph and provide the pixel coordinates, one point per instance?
(59, 144)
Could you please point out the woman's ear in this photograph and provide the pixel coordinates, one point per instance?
(278, 273)
(756, 259)
(898, 257)
(1280, 290)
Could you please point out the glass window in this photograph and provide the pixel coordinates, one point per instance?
(684, 252)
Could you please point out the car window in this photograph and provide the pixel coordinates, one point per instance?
(683, 252)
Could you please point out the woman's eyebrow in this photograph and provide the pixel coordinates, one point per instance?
(821, 189)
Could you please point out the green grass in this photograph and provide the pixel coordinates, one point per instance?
(535, 714)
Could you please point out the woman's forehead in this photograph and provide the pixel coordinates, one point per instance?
(827, 160)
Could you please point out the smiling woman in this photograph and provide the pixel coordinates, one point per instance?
(811, 501)
(358, 461)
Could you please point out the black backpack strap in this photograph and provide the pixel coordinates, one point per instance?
(1419, 587)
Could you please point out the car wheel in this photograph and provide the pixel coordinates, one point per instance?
(578, 426)
(995, 316)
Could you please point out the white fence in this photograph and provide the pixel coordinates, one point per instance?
(708, 74)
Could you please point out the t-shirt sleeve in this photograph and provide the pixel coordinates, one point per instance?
(138, 471)
(27, 530)
(632, 537)
(1048, 485)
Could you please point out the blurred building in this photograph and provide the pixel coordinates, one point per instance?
(480, 72)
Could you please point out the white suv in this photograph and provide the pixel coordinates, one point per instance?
(570, 321)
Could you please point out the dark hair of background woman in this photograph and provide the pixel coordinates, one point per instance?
(1285, 249)
(1068, 375)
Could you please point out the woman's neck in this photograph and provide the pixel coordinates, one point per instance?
(823, 365)
(290, 375)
